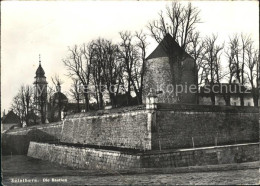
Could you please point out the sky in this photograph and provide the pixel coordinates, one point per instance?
(49, 28)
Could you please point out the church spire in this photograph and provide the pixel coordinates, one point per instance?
(40, 72)
(39, 59)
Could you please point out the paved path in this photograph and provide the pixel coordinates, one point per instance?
(22, 168)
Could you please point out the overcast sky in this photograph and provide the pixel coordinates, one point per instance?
(48, 28)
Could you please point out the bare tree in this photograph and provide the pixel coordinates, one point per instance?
(78, 64)
(239, 45)
(76, 93)
(23, 103)
(129, 56)
(16, 106)
(231, 70)
(113, 69)
(252, 64)
(57, 82)
(178, 20)
(108, 69)
(27, 101)
(97, 71)
(50, 91)
(211, 58)
(196, 50)
(140, 67)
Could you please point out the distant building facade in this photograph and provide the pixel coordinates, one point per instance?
(226, 94)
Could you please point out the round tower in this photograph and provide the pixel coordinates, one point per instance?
(170, 72)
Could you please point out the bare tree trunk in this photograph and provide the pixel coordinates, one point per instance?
(86, 102)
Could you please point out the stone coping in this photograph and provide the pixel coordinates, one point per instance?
(172, 107)
(26, 129)
(198, 148)
(108, 111)
(207, 108)
(192, 169)
(149, 152)
(77, 146)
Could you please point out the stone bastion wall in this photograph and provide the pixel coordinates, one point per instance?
(185, 126)
(91, 158)
(124, 128)
(166, 127)
(17, 141)
(169, 126)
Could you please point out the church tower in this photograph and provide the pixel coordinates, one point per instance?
(40, 93)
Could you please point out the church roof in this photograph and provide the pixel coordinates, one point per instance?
(167, 47)
(59, 96)
(40, 72)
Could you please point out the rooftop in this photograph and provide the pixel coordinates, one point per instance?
(168, 47)
(40, 72)
(10, 117)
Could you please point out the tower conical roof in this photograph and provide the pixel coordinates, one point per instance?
(166, 48)
(40, 72)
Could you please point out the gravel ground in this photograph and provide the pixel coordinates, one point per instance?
(23, 169)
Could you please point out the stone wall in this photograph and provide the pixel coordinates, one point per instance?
(164, 74)
(53, 129)
(168, 127)
(17, 141)
(182, 126)
(90, 158)
(202, 156)
(83, 158)
(130, 129)
(7, 126)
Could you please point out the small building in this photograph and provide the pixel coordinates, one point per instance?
(224, 93)
(57, 104)
(10, 120)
